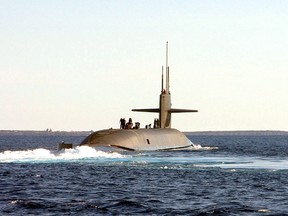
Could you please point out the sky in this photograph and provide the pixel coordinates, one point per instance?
(82, 65)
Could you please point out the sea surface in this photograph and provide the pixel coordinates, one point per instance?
(221, 175)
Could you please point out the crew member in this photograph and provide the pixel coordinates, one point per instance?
(122, 123)
(129, 125)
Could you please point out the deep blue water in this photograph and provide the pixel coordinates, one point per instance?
(223, 175)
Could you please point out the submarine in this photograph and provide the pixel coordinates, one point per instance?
(160, 137)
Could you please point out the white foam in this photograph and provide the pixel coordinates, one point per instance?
(264, 210)
(199, 147)
(82, 152)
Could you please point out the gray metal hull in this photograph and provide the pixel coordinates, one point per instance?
(138, 140)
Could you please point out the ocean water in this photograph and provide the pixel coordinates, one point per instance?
(221, 175)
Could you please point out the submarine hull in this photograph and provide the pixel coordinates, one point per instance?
(138, 139)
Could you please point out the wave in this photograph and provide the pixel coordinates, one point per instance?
(42, 155)
(198, 147)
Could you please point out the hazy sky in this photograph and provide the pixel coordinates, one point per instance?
(82, 65)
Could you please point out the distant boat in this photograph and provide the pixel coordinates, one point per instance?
(159, 137)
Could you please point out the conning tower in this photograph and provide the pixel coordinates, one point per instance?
(165, 107)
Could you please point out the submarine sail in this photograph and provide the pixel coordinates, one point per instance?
(160, 137)
(165, 109)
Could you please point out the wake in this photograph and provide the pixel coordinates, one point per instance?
(41, 155)
(44, 155)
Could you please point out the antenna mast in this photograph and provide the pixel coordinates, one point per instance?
(167, 69)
